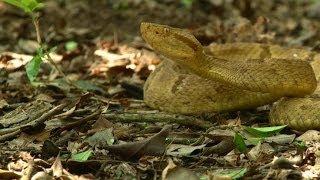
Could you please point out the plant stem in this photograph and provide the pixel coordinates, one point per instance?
(35, 21)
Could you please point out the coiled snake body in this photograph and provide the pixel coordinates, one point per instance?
(196, 79)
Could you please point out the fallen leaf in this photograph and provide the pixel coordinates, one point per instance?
(101, 138)
(174, 172)
(5, 174)
(57, 168)
(184, 150)
(154, 145)
(82, 156)
(281, 138)
(49, 149)
(261, 152)
(311, 135)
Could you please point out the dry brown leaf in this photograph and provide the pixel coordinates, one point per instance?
(154, 145)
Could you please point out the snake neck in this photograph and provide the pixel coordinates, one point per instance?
(282, 77)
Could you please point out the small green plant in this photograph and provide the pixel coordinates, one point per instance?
(264, 131)
(187, 3)
(29, 6)
(33, 67)
(239, 143)
(257, 134)
(82, 156)
(300, 144)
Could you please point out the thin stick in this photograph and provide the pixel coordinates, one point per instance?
(158, 117)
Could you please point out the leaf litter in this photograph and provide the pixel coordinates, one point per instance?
(102, 128)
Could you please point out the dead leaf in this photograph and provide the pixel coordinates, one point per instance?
(49, 149)
(42, 175)
(5, 174)
(3, 103)
(101, 138)
(174, 172)
(154, 145)
(184, 150)
(281, 138)
(311, 135)
(261, 152)
(127, 169)
(57, 168)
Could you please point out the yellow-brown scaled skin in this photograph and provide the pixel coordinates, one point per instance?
(225, 77)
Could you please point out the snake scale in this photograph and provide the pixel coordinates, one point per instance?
(196, 79)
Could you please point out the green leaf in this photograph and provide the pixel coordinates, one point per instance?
(33, 67)
(27, 5)
(187, 3)
(300, 144)
(71, 45)
(239, 143)
(83, 156)
(264, 131)
(32, 5)
(15, 3)
(234, 173)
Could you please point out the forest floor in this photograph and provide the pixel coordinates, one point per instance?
(98, 127)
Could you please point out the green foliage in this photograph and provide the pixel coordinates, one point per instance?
(83, 156)
(264, 131)
(255, 135)
(120, 5)
(187, 3)
(300, 144)
(28, 6)
(33, 67)
(239, 143)
(71, 45)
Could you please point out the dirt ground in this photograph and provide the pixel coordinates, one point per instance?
(98, 127)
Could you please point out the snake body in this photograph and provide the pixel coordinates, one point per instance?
(194, 79)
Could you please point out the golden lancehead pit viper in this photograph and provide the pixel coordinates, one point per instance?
(223, 77)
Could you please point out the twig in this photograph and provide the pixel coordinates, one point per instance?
(12, 132)
(158, 117)
(9, 135)
(82, 121)
(48, 114)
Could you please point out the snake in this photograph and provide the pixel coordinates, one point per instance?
(193, 79)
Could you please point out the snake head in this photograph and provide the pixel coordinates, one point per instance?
(174, 43)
